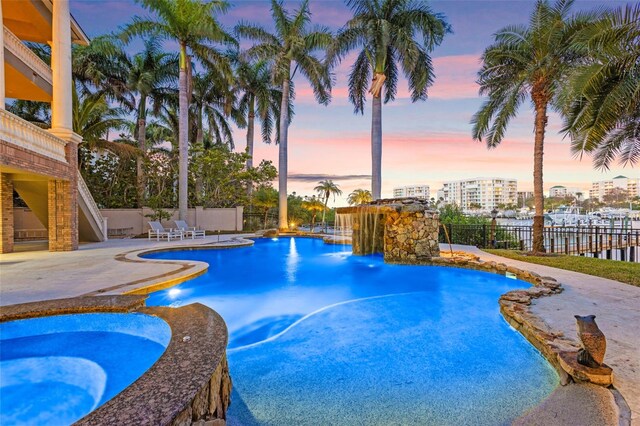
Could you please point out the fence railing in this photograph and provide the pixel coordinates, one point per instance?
(593, 241)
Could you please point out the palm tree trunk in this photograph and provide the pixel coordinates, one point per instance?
(200, 142)
(250, 131)
(142, 146)
(183, 133)
(538, 152)
(283, 220)
(324, 212)
(376, 147)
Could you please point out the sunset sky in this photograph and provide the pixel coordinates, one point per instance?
(423, 143)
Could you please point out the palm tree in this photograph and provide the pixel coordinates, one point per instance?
(389, 34)
(134, 82)
(149, 76)
(602, 112)
(261, 97)
(294, 43)
(313, 205)
(528, 61)
(192, 23)
(325, 189)
(213, 107)
(359, 196)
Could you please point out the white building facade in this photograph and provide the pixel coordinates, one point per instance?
(600, 189)
(483, 193)
(417, 191)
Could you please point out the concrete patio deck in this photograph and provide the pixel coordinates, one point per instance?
(111, 268)
(96, 267)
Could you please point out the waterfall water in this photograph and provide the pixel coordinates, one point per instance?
(343, 226)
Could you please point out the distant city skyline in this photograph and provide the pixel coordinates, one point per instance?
(427, 142)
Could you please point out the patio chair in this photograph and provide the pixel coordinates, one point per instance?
(158, 231)
(189, 230)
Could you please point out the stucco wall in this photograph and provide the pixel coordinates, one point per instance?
(122, 219)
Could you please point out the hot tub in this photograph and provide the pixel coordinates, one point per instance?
(57, 369)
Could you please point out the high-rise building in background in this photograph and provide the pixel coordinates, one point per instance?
(418, 191)
(560, 191)
(484, 193)
(600, 189)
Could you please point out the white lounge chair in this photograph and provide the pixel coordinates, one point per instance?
(189, 230)
(158, 231)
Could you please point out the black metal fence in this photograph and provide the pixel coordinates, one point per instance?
(592, 241)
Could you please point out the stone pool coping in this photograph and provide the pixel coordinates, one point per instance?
(189, 382)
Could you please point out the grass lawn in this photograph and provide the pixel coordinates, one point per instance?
(626, 272)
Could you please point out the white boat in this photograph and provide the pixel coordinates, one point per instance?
(566, 216)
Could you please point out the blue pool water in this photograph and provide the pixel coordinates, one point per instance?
(318, 336)
(55, 370)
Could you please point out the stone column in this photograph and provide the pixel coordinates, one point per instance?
(63, 216)
(61, 105)
(63, 194)
(6, 213)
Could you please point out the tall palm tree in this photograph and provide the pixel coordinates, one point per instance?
(603, 95)
(528, 61)
(389, 34)
(294, 43)
(213, 107)
(261, 98)
(147, 78)
(193, 24)
(325, 189)
(150, 75)
(359, 196)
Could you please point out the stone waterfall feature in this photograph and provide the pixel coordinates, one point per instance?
(403, 230)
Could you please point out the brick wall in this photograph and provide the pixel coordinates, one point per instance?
(62, 197)
(19, 158)
(6, 213)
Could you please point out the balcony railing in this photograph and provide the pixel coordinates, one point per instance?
(23, 134)
(22, 52)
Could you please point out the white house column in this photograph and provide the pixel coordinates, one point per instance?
(2, 101)
(61, 105)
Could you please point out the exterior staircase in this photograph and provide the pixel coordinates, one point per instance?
(92, 226)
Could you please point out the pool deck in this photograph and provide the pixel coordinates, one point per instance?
(96, 268)
(112, 268)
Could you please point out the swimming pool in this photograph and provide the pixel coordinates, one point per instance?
(55, 370)
(318, 336)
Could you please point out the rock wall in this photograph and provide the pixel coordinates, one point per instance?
(411, 235)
